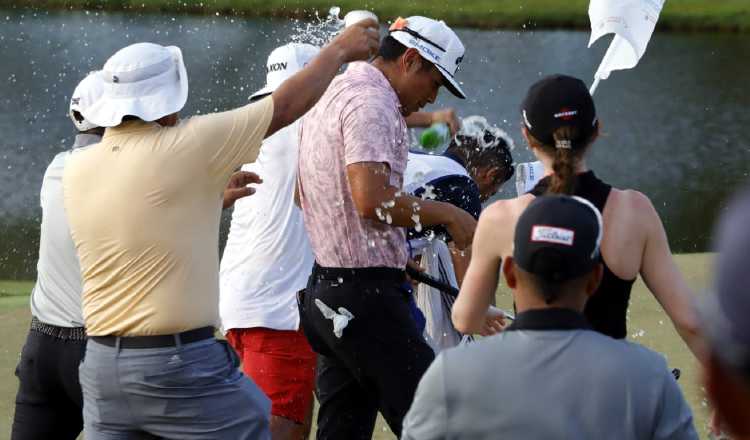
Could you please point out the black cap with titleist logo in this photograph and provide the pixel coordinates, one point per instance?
(557, 101)
(557, 238)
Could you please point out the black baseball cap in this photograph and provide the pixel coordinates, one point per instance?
(557, 101)
(557, 238)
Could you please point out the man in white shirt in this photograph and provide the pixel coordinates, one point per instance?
(266, 261)
(49, 401)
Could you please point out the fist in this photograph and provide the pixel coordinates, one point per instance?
(358, 42)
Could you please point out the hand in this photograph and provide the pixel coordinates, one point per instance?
(461, 227)
(237, 187)
(358, 42)
(447, 116)
(494, 322)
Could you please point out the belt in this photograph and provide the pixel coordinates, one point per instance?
(372, 274)
(156, 341)
(69, 333)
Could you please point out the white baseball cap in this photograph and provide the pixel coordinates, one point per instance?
(145, 80)
(284, 62)
(87, 91)
(436, 42)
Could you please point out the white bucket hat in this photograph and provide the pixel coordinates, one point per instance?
(283, 63)
(87, 91)
(145, 80)
(436, 42)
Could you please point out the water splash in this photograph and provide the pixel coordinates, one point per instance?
(318, 31)
(417, 225)
(475, 126)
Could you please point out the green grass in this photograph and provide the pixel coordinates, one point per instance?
(14, 294)
(727, 15)
(648, 325)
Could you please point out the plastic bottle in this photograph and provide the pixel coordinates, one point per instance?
(435, 137)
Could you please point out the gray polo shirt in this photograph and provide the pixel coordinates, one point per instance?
(56, 298)
(549, 376)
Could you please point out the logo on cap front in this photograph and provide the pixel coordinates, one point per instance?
(552, 234)
(276, 67)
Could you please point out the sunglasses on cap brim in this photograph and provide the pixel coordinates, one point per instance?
(416, 34)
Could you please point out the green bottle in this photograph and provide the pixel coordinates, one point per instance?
(435, 137)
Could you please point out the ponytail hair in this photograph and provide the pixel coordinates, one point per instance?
(565, 158)
(566, 150)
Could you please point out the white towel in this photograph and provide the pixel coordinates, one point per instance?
(528, 174)
(436, 305)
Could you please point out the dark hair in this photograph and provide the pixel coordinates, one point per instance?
(566, 152)
(549, 290)
(391, 49)
(492, 152)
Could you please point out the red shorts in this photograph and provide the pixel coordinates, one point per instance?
(282, 364)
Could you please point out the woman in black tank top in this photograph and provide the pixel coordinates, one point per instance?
(607, 307)
(560, 124)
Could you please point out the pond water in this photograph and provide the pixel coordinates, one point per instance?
(675, 128)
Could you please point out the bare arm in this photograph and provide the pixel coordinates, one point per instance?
(376, 199)
(301, 92)
(460, 259)
(664, 280)
(470, 309)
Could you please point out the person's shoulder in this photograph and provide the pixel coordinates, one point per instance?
(631, 199)
(452, 181)
(622, 352)
(363, 84)
(56, 165)
(633, 209)
(257, 108)
(487, 347)
(60, 158)
(508, 209)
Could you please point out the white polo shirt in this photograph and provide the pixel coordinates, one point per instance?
(268, 257)
(56, 298)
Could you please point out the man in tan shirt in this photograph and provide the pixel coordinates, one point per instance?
(144, 209)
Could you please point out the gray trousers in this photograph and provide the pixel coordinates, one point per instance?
(190, 391)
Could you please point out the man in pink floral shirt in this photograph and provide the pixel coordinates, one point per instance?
(353, 151)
